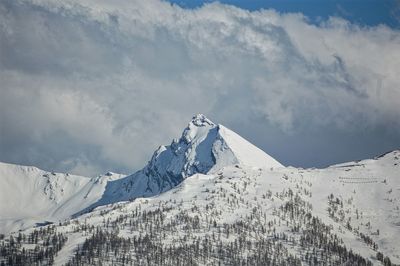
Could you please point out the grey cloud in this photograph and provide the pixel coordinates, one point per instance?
(91, 86)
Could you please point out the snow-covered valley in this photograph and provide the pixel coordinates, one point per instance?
(209, 198)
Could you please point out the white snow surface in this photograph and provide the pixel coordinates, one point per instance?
(30, 195)
(245, 152)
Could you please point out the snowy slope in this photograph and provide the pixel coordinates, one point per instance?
(204, 147)
(369, 192)
(245, 152)
(30, 195)
(286, 207)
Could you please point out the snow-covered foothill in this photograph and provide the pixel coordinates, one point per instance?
(32, 196)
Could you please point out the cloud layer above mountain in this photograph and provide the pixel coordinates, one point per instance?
(89, 86)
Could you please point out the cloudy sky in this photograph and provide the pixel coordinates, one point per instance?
(90, 86)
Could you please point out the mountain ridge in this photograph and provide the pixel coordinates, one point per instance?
(30, 195)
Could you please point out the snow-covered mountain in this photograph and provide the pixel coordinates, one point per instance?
(213, 198)
(347, 214)
(204, 147)
(30, 195)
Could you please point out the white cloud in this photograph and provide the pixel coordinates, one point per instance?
(109, 81)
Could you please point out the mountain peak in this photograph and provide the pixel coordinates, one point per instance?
(201, 120)
(203, 148)
(198, 126)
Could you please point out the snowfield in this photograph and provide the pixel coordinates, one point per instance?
(30, 195)
(210, 197)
